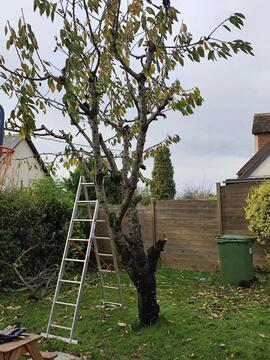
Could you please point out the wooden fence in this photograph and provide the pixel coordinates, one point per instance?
(231, 202)
(191, 227)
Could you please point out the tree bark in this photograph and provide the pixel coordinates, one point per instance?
(145, 283)
(141, 267)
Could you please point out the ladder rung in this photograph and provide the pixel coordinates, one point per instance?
(105, 255)
(111, 303)
(107, 271)
(87, 184)
(110, 287)
(64, 303)
(67, 340)
(76, 260)
(85, 240)
(60, 327)
(82, 219)
(70, 281)
(88, 220)
(102, 237)
(87, 201)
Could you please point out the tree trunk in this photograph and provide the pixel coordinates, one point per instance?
(140, 266)
(147, 302)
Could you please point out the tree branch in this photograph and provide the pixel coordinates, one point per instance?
(109, 156)
(154, 252)
(159, 110)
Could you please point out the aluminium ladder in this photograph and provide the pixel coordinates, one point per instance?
(92, 240)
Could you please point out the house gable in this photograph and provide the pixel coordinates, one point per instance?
(262, 170)
(258, 164)
(26, 165)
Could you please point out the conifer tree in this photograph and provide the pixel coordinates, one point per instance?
(162, 184)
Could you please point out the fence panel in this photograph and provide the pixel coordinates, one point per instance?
(191, 228)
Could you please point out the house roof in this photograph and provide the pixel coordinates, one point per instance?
(261, 123)
(12, 141)
(255, 161)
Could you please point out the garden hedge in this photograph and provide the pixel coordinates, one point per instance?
(35, 219)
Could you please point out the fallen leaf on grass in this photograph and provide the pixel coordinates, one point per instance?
(262, 335)
(121, 324)
(14, 307)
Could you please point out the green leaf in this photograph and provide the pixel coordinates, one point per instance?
(151, 20)
(242, 16)
(211, 55)
(235, 21)
(227, 27)
(137, 25)
(200, 51)
(59, 87)
(143, 19)
(149, 10)
(36, 4)
(196, 56)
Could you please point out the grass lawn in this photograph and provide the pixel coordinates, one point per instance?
(200, 319)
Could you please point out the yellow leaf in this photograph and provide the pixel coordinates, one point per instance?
(121, 324)
(52, 87)
(152, 69)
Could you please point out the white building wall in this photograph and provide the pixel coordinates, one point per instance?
(263, 170)
(24, 168)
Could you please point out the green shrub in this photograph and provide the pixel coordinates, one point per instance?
(35, 219)
(257, 211)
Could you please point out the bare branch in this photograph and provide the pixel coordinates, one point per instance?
(159, 110)
(109, 157)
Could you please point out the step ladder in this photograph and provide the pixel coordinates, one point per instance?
(93, 208)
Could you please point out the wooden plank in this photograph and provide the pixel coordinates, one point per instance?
(32, 348)
(9, 346)
(153, 220)
(219, 208)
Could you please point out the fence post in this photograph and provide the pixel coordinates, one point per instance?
(153, 215)
(219, 208)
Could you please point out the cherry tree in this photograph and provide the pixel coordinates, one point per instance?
(118, 60)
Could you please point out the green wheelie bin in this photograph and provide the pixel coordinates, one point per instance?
(236, 258)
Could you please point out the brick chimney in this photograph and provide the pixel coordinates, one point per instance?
(261, 130)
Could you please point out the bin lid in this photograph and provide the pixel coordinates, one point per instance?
(221, 239)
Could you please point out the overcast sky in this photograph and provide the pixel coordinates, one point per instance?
(216, 141)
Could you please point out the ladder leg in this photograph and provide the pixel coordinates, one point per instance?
(95, 248)
(99, 269)
(85, 267)
(62, 266)
(115, 264)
